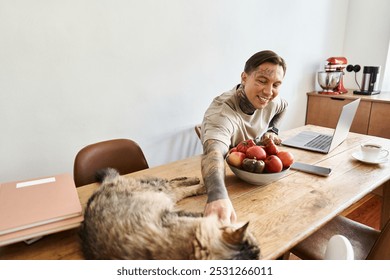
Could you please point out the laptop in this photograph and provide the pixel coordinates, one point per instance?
(323, 143)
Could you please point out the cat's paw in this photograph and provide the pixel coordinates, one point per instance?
(201, 190)
(199, 253)
(184, 181)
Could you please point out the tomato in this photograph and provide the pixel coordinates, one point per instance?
(244, 145)
(271, 148)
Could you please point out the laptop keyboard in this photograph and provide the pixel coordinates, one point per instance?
(320, 142)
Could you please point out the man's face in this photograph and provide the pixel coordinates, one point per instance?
(262, 85)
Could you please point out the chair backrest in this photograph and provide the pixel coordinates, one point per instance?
(339, 248)
(198, 130)
(124, 155)
(381, 248)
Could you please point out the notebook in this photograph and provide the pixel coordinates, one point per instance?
(323, 143)
(33, 233)
(26, 204)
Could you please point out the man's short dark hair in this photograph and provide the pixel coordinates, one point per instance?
(262, 57)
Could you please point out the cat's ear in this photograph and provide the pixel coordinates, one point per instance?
(240, 233)
(236, 236)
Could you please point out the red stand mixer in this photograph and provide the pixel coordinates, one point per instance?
(331, 80)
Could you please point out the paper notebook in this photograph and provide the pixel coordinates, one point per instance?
(32, 203)
(39, 231)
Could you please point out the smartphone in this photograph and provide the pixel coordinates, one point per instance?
(312, 169)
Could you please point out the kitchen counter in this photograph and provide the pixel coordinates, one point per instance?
(372, 117)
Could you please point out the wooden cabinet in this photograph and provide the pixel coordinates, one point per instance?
(372, 116)
(380, 120)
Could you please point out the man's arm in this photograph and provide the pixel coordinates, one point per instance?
(213, 172)
(274, 123)
(276, 119)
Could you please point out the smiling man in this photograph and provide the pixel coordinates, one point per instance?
(251, 110)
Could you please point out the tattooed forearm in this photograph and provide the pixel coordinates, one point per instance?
(213, 169)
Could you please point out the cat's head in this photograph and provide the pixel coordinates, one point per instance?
(215, 241)
(243, 244)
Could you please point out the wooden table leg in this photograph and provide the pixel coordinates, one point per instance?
(385, 215)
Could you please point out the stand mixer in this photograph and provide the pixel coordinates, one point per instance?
(331, 80)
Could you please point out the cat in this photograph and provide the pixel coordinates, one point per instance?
(129, 218)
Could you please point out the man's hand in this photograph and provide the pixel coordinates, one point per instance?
(223, 208)
(213, 172)
(272, 136)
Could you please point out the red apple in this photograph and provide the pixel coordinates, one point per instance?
(286, 157)
(236, 158)
(256, 152)
(273, 164)
(244, 145)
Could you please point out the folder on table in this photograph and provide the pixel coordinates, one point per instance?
(44, 204)
(39, 231)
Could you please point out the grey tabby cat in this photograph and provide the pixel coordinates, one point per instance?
(130, 218)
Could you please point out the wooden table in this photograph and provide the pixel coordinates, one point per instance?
(281, 214)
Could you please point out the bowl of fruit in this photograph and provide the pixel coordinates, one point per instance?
(259, 164)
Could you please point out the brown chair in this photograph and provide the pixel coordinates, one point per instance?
(368, 243)
(124, 155)
(198, 130)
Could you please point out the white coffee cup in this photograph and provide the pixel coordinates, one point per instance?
(373, 152)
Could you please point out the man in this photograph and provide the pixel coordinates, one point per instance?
(251, 110)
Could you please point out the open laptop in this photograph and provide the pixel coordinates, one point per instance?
(323, 143)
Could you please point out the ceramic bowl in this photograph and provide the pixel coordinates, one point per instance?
(258, 179)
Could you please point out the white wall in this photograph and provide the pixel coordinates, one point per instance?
(80, 71)
(367, 38)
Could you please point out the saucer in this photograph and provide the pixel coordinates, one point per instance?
(359, 156)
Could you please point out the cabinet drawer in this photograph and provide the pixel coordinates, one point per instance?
(325, 111)
(379, 120)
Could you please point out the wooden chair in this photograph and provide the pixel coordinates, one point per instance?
(124, 155)
(198, 130)
(367, 243)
